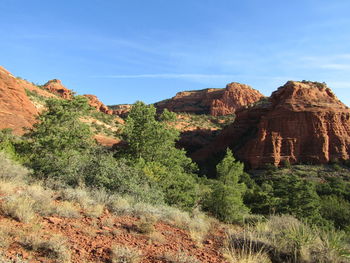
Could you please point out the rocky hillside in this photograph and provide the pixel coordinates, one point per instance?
(216, 102)
(302, 122)
(16, 109)
(21, 101)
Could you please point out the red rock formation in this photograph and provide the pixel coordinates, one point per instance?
(16, 110)
(96, 103)
(55, 86)
(234, 97)
(216, 102)
(121, 110)
(301, 122)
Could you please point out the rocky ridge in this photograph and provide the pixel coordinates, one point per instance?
(302, 122)
(216, 102)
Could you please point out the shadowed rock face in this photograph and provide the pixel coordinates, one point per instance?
(300, 122)
(16, 109)
(216, 102)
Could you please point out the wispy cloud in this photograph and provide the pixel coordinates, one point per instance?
(339, 62)
(168, 76)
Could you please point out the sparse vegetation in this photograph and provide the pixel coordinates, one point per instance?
(54, 247)
(19, 207)
(121, 254)
(179, 257)
(66, 175)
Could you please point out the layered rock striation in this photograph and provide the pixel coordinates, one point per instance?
(55, 86)
(16, 109)
(302, 122)
(216, 102)
(97, 104)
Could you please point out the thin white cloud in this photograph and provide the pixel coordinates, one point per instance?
(336, 66)
(169, 76)
(339, 62)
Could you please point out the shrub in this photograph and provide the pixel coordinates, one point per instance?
(146, 224)
(54, 247)
(121, 254)
(19, 207)
(286, 239)
(336, 210)
(179, 257)
(10, 170)
(5, 239)
(67, 209)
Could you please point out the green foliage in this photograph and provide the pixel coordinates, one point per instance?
(336, 210)
(151, 148)
(7, 144)
(103, 171)
(226, 200)
(58, 145)
(286, 194)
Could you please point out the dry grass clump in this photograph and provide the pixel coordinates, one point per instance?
(119, 205)
(5, 239)
(55, 247)
(248, 252)
(199, 227)
(8, 187)
(10, 170)
(179, 257)
(18, 259)
(286, 239)
(67, 209)
(156, 237)
(43, 201)
(121, 254)
(146, 224)
(94, 210)
(19, 207)
(84, 198)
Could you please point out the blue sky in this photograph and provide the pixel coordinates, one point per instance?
(128, 50)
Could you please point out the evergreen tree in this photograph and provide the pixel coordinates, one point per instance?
(226, 200)
(151, 148)
(59, 143)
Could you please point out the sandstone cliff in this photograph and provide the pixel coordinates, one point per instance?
(96, 103)
(216, 102)
(16, 110)
(55, 86)
(302, 122)
(121, 110)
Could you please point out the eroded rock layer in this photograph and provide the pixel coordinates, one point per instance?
(302, 122)
(55, 86)
(96, 103)
(216, 102)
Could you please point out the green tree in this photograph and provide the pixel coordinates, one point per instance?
(151, 148)
(226, 200)
(59, 143)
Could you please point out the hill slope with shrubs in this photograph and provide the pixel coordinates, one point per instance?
(64, 198)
